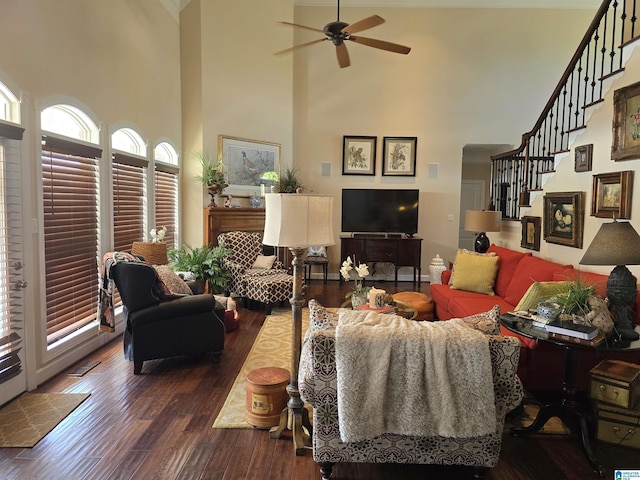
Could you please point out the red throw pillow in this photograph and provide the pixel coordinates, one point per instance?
(530, 269)
(507, 264)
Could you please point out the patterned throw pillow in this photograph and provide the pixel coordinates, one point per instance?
(316, 252)
(487, 322)
(320, 318)
(172, 281)
(264, 262)
(475, 273)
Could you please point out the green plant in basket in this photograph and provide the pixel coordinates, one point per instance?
(205, 262)
(573, 300)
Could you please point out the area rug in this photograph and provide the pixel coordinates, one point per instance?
(272, 348)
(27, 419)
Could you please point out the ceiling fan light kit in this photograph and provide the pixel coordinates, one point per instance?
(339, 32)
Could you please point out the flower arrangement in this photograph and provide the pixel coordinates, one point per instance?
(157, 234)
(362, 271)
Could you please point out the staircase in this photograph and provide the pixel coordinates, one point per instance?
(599, 58)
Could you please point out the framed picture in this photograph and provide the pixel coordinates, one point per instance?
(246, 162)
(611, 195)
(584, 155)
(626, 123)
(399, 156)
(564, 218)
(531, 233)
(359, 155)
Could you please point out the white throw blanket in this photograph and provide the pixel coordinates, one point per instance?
(412, 378)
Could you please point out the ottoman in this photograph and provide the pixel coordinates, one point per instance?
(270, 289)
(420, 301)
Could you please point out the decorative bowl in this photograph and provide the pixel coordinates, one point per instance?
(548, 310)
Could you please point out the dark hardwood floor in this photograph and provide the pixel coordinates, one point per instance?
(158, 426)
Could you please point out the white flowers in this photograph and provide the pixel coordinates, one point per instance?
(362, 270)
(158, 235)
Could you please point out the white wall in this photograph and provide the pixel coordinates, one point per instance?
(476, 76)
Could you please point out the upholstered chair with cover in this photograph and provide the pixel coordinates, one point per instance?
(255, 276)
(162, 326)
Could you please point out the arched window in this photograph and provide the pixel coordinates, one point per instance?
(71, 217)
(129, 178)
(166, 191)
(9, 105)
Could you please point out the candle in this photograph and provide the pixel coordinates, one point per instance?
(262, 189)
(376, 298)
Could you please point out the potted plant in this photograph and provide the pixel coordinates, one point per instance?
(206, 264)
(573, 299)
(289, 183)
(212, 176)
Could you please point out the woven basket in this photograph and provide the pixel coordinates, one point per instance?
(153, 253)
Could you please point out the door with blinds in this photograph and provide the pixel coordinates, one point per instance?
(12, 283)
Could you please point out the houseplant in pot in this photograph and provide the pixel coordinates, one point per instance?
(288, 182)
(205, 263)
(212, 177)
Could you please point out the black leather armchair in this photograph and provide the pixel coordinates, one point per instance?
(158, 328)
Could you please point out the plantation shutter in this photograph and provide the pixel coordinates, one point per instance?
(166, 207)
(11, 273)
(70, 200)
(129, 200)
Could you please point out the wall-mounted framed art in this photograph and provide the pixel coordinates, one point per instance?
(359, 155)
(531, 227)
(399, 156)
(611, 195)
(245, 163)
(583, 158)
(626, 123)
(564, 218)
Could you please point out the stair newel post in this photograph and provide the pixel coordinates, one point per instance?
(524, 192)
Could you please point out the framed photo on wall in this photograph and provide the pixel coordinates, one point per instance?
(583, 158)
(359, 155)
(531, 227)
(246, 162)
(564, 218)
(626, 123)
(611, 195)
(399, 156)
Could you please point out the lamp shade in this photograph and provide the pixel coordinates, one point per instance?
(482, 221)
(616, 243)
(298, 220)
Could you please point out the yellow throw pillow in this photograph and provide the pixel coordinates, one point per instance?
(539, 291)
(475, 273)
(464, 251)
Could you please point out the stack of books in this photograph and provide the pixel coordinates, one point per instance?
(580, 334)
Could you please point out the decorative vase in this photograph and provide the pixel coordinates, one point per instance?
(254, 200)
(213, 191)
(436, 267)
(358, 299)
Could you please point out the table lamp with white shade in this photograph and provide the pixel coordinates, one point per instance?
(297, 221)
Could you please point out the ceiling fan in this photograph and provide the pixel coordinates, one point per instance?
(339, 32)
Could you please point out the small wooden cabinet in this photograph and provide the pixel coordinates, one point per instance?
(401, 251)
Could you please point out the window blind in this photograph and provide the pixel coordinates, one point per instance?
(129, 201)
(11, 273)
(166, 206)
(71, 220)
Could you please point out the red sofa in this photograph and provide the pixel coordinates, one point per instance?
(541, 363)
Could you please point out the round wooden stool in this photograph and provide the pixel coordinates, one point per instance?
(420, 301)
(266, 396)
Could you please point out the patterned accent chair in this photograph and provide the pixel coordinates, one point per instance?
(318, 387)
(316, 256)
(269, 284)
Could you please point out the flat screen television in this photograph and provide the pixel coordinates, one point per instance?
(366, 210)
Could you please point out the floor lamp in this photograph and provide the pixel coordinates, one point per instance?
(297, 221)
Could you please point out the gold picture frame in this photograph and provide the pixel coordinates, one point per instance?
(611, 195)
(245, 163)
(564, 218)
(626, 123)
(531, 227)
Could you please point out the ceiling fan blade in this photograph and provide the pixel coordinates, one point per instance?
(313, 29)
(343, 55)
(287, 50)
(364, 24)
(381, 44)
